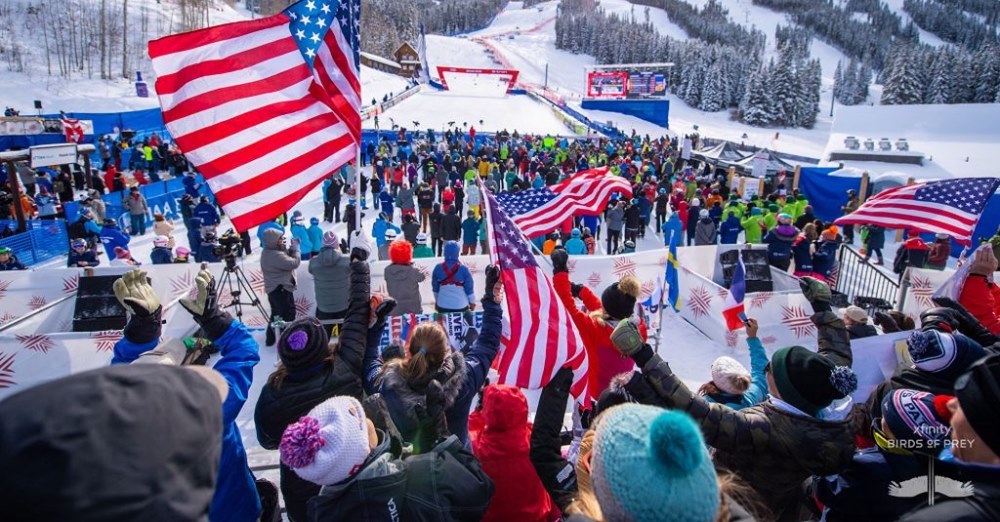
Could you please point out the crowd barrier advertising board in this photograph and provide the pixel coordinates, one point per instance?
(41, 348)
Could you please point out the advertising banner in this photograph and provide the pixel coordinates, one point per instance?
(607, 85)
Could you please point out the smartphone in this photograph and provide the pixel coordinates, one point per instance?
(743, 317)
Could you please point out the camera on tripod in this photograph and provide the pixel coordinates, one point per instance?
(229, 245)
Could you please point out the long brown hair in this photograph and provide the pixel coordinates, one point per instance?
(277, 378)
(427, 347)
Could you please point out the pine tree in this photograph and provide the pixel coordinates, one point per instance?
(756, 106)
(838, 81)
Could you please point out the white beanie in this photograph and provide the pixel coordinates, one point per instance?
(161, 241)
(703, 213)
(421, 238)
(724, 371)
(390, 234)
(329, 444)
(695, 202)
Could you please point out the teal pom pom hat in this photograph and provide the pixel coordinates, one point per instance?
(651, 464)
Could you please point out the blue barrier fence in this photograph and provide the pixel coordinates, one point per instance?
(43, 240)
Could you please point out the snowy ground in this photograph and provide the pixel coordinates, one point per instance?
(376, 84)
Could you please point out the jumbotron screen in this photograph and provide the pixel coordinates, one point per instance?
(626, 84)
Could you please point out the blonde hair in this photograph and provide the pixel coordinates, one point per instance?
(427, 347)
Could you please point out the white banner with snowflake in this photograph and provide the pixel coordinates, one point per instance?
(923, 283)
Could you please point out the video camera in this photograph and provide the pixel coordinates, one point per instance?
(229, 245)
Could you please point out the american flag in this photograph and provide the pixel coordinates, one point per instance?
(265, 109)
(951, 207)
(542, 336)
(539, 211)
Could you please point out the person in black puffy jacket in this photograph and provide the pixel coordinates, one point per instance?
(311, 371)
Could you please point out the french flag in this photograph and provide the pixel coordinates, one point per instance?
(734, 300)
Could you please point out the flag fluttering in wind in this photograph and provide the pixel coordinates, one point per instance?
(734, 311)
(672, 276)
(542, 336)
(265, 109)
(950, 207)
(539, 211)
(72, 128)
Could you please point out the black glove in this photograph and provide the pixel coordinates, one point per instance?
(134, 291)
(343, 247)
(817, 292)
(967, 323)
(393, 351)
(430, 416)
(886, 321)
(575, 289)
(939, 319)
(492, 278)
(204, 308)
(359, 254)
(559, 258)
(381, 311)
(145, 328)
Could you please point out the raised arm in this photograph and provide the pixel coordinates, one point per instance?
(480, 357)
(833, 339)
(557, 474)
(354, 332)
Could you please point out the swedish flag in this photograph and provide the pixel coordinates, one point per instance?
(674, 290)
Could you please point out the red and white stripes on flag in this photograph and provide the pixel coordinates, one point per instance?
(950, 207)
(264, 109)
(72, 129)
(539, 211)
(542, 337)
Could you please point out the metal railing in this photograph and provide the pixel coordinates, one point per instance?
(863, 284)
(43, 240)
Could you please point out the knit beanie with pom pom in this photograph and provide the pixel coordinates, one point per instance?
(329, 444)
(651, 464)
(810, 381)
(619, 298)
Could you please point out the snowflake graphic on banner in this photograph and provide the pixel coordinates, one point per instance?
(104, 341)
(769, 339)
(424, 270)
(6, 370)
(798, 321)
(759, 299)
(36, 342)
(256, 321)
(833, 277)
(303, 306)
(4, 284)
(594, 280)
(256, 280)
(722, 293)
(731, 338)
(922, 291)
(70, 284)
(7, 317)
(647, 290)
(183, 286)
(37, 301)
(571, 266)
(699, 300)
(624, 266)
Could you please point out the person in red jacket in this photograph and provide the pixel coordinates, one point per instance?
(617, 303)
(502, 446)
(109, 177)
(682, 213)
(980, 295)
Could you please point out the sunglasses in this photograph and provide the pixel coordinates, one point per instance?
(987, 367)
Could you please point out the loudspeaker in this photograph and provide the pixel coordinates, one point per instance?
(758, 271)
(38, 104)
(97, 309)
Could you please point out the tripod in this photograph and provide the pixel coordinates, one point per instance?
(236, 282)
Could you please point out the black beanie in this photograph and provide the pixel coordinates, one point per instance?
(303, 343)
(978, 392)
(619, 298)
(810, 381)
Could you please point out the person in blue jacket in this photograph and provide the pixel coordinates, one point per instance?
(825, 254)
(207, 212)
(729, 230)
(731, 385)
(161, 254)
(266, 225)
(802, 251)
(779, 243)
(435, 386)
(379, 228)
(716, 213)
(575, 245)
(300, 232)
(194, 238)
(112, 236)
(673, 228)
(387, 203)
(452, 283)
(191, 185)
(235, 495)
(645, 211)
(315, 236)
(208, 249)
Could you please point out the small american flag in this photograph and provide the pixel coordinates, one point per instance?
(265, 109)
(951, 207)
(542, 336)
(539, 211)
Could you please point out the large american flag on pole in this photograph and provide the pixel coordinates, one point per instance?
(542, 337)
(540, 211)
(950, 207)
(265, 109)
